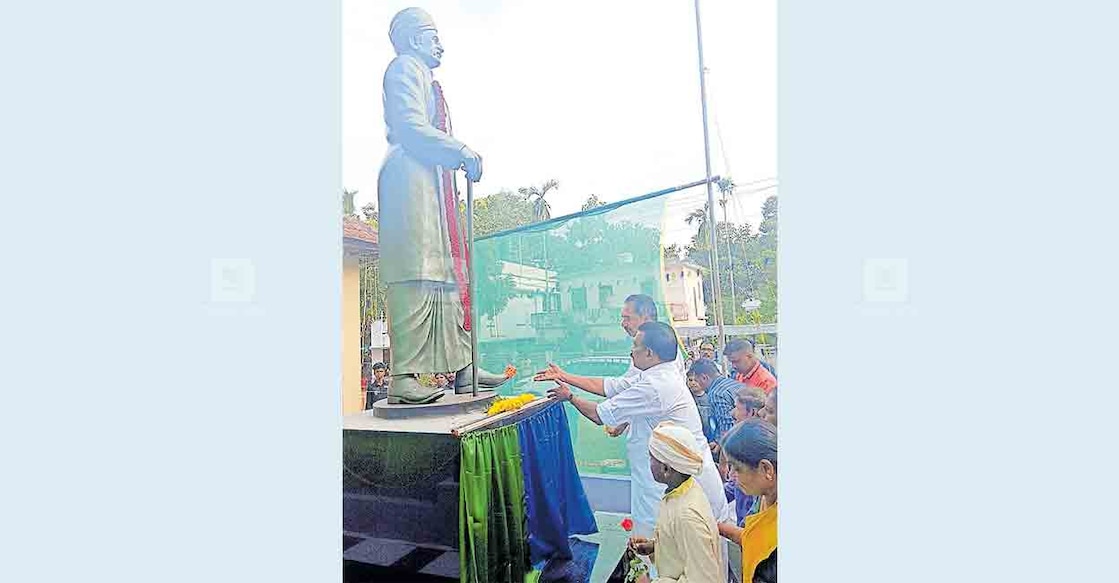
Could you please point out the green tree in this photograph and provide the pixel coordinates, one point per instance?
(747, 256)
(769, 216)
(672, 252)
(592, 202)
(767, 260)
(501, 211)
(369, 213)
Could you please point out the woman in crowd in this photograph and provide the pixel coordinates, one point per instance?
(751, 448)
(769, 413)
(685, 543)
(748, 404)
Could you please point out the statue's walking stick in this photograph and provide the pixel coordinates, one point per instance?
(471, 288)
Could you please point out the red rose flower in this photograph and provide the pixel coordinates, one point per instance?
(627, 524)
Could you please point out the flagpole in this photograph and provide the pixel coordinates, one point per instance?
(712, 225)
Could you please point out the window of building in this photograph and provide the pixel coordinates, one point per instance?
(550, 302)
(604, 293)
(579, 298)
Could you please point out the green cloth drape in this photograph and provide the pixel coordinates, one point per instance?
(493, 544)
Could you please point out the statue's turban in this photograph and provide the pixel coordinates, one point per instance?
(407, 23)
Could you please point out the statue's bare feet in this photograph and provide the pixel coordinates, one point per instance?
(486, 380)
(407, 390)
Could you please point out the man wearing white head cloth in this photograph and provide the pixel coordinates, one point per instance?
(685, 546)
(425, 257)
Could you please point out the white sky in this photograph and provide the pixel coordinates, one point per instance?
(602, 96)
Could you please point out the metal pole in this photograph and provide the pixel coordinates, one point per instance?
(473, 297)
(711, 221)
(730, 258)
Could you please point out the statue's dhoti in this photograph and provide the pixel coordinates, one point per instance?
(427, 333)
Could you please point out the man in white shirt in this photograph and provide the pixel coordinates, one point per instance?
(655, 393)
(637, 310)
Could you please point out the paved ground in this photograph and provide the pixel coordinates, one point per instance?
(368, 560)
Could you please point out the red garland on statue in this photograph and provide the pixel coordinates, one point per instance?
(460, 250)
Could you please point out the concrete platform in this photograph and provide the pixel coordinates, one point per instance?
(439, 417)
(450, 403)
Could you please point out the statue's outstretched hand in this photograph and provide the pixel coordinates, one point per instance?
(472, 162)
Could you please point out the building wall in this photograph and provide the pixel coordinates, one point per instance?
(514, 322)
(600, 298)
(684, 295)
(352, 397)
(377, 355)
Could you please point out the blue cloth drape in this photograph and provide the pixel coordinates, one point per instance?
(555, 502)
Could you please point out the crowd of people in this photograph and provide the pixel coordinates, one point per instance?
(701, 441)
(701, 445)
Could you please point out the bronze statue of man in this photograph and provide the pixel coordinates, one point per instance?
(424, 258)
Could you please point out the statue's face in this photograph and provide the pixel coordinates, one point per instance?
(428, 48)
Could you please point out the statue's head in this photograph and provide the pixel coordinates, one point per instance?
(413, 32)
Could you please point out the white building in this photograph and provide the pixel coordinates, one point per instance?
(532, 285)
(683, 294)
(378, 341)
(545, 305)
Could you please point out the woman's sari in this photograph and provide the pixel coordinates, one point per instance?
(759, 540)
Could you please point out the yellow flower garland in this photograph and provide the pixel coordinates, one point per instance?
(503, 404)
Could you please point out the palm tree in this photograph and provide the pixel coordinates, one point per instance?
(726, 187)
(541, 210)
(699, 216)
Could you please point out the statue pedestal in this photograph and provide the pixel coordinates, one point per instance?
(450, 404)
